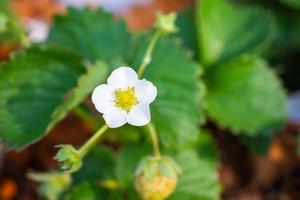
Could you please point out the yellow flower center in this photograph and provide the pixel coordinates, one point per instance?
(125, 99)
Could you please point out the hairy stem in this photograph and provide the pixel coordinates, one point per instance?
(154, 138)
(92, 141)
(148, 56)
(145, 62)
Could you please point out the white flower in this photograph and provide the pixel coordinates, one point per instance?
(124, 99)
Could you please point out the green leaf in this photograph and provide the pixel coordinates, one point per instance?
(11, 29)
(33, 84)
(259, 143)
(3, 23)
(226, 31)
(101, 37)
(198, 166)
(82, 191)
(5, 8)
(95, 75)
(245, 95)
(187, 30)
(93, 33)
(199, 172)
(127, 161)
(289, 28)
(292, 3)
(97, 166)
(176, 112)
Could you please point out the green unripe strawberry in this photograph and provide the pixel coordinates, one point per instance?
(156, 177)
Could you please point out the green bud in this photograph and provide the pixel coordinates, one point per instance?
(53, 184)
(166, 23)
(156, 177)
(69, 158)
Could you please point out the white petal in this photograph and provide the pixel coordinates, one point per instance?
(102, 98)
(122, 77)
(115, 118)
(139, 115)
(145, 91)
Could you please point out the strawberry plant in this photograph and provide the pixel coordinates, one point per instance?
(152, 93)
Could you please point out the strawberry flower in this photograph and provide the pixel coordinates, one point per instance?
(125, 98)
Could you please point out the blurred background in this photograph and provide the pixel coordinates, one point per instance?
(243, 175)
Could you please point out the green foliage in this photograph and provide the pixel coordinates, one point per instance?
(289, 28)
(82, 191)
(198, 180)
(199, 172)
(98, 171)
(98, 165)
(3, 22)
(52, 184)
(33, 83)
(127, 161)
(94, 34)
(40, 85)
(198, 167)
(226, 31)
(177, 92)
(187, 30)
(95, 75)
(245, 95)
(292, 3)
(224, 35)
(11, 30)
(260, 142)
(177, 111)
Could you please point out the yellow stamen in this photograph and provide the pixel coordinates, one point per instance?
(125, 99)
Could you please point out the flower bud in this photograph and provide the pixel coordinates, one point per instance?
(166, 23)
(156, 177)
(69, 158)
(53, 184)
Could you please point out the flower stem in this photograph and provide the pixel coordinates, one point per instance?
(154, 138)
(145, 62)
(148, 56)
(92, 141)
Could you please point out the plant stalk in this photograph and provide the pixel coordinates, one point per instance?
(148, 56)
(145, 62)
(154, 138)
(92, 141)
